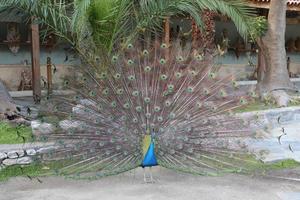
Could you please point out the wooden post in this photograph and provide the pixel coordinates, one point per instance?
(167, 36)
(49, 75)
(35, 60)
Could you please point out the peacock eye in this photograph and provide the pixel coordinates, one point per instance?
(206, 91)
(130, 62)
(138, 108)
(193, 73)
(252, 94)
(167, 103)
(223, 93)
(66, 83)
(114, 58)
(172, 115)
(145, 52)
(126, 105)
(179, 58)
(243, 101)
(92, 93)
(147, 69)
(131, 77)
(199, 57)
(117, 76)
(212, 75)
(135, 93)
(113, 104)
(163, 77)
(123, 118)
(147, 100)
(163, 45)
(178, 75)
(190, 89)
(156, 108)
(162, 61)
(103, 75)
(84, 79)
(160, 118)
(120, 91)
(129, 46)
(234, 84)
(135, 120)
(148, 115)
(105, 91)
(170, 87)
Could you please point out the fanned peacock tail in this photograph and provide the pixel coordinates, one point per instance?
(166, 93)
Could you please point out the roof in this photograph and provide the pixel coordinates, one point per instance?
(292, 4)
(12, 15)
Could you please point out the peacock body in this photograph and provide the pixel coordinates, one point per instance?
(162, 105)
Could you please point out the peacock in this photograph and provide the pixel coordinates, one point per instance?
(153, 104)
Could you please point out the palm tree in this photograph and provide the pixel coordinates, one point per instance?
(111, 21)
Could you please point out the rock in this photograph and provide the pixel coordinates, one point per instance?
(281, 97)
(24, 161)
(17, 161)
(39, 128)
(45, 150)
(31, 152)
(9, 162)
(15, 154)
(3, 156)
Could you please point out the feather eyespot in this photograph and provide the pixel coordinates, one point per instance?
(212, 75)
(160, 119)
(147, 69)
(130, 62)
(117, 76)
(92, 93)
(163, 45)
(170, 87)
(178, 75)
(162, 61)
(105, 91)
(163, 77)
(135, 93)
(179, 58)
(114, 58)
(66, 83)
(148, 115)
(145, 52)
(129, 46)
(120, 91)
(138, 109)
(147, 100)
(172, 115)
(156, 108)
(167, 103)
(113, 104)
(103, 75)
(131, 77)
(243, 101)
(190, 89)
(126, 105)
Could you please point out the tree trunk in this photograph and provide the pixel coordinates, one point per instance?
(273, 53)
(7, 107)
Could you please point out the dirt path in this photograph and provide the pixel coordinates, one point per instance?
(170, 185)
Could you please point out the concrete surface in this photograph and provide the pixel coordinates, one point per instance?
(170, 185)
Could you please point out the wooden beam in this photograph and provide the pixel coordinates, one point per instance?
(49, 76)
(167, 36)
(35, 60)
